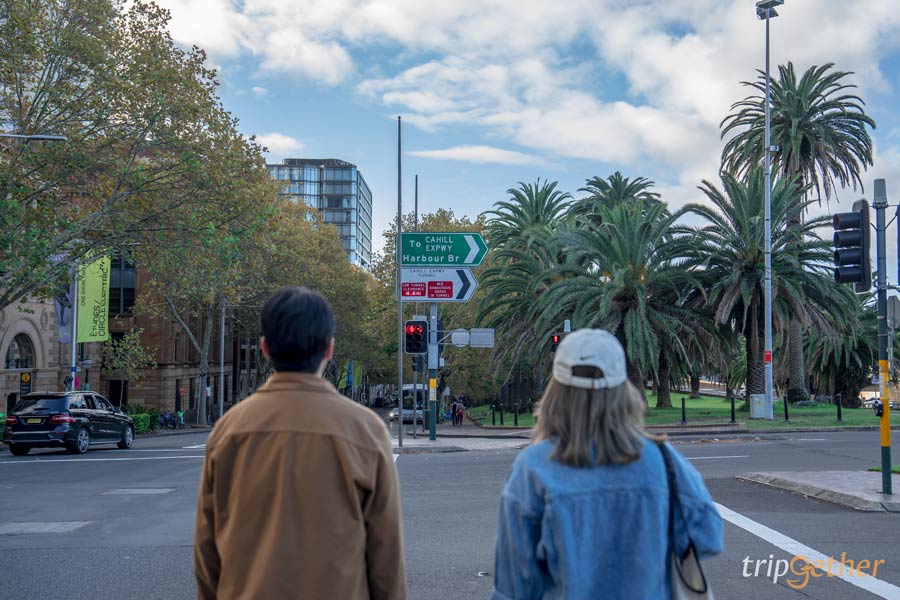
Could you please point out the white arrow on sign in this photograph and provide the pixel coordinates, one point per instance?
(473, 249)
(437, 285)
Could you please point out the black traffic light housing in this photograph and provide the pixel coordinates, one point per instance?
(554, 341)
(852, 240)
(416, 337)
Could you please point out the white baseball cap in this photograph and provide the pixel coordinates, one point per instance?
(590, 348)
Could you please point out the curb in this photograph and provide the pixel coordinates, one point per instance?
(185, 431)
(429, 450)
(812, 491)
(699, 431)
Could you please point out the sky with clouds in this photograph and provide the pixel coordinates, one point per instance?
(493, 92)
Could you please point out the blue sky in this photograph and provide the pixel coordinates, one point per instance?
(493, 92)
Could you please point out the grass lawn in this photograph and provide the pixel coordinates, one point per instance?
(710, 410)
(895, 469)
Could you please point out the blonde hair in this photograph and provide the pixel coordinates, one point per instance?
(592, 427)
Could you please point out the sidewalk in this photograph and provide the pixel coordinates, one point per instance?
(188, 429)
(859, 490)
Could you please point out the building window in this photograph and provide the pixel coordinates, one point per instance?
(121, 286)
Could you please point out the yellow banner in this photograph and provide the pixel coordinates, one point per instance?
(93, 301)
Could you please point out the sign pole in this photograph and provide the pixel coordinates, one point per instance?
(880, 204)
(399, 297)
(72, 367)
(415, 358)
(432, 372)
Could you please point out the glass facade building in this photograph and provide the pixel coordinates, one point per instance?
(338, 190)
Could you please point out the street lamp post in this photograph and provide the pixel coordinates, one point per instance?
(765, 10)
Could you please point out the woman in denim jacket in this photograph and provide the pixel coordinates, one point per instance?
(584, 513)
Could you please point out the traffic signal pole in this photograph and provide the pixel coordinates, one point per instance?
(399, 285)
(880, 204)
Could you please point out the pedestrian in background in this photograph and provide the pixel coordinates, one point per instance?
(607, 535)
(453, 411)
(299, 496)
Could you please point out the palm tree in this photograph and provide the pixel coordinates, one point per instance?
(521, 234)
(820, 129)
(729, 254)
(624, 273)
(529, 215)
(612, 191)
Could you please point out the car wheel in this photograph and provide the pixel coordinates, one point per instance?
(82, 442)
(127, 438)
(19, 450)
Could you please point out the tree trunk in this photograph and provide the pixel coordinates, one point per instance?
(756, 380)
(202, 409)
(663, 387)
(695, 385)
(797, 378)
(636, 378)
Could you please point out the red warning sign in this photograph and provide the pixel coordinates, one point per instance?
(440, 289)
(413, 290)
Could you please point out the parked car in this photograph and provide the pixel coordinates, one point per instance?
(72, 420)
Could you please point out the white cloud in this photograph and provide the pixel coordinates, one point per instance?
(260, 91)
(279, 145)
(480, 154)
(545, 75)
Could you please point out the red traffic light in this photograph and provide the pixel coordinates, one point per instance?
(555, 338)
(413, 329)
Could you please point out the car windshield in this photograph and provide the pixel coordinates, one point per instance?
(40, 404)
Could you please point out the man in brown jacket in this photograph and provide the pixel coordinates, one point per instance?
(299, 497)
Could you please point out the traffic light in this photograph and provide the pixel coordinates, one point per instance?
(554, 341)
(852, 237)
(416, 337)
(418, 363)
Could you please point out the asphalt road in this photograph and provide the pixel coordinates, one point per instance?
(130, 544)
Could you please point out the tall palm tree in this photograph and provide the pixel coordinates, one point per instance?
(624, 273)
(820, 129)
(612, 191)
(529, 215)
(521, 235)
(729, 252)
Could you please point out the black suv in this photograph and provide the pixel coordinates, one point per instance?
(75, 420)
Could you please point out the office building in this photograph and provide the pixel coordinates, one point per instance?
(338, 190)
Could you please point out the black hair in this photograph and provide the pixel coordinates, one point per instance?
(298, 325)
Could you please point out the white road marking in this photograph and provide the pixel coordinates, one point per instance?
(66, 460)
(194, 447)
(396, 456)
(878, 587)
(712, 457)
(812, 440)
(138, 491)
(42, 527)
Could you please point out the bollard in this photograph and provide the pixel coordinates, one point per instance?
(516, 414)
(683, 411)
(732, 409)
(501, 415)
(786, 409)
(493, 414)
(838, 402)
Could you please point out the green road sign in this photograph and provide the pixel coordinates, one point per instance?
(441, 249)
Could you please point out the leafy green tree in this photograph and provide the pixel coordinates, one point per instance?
(127, 358)
(106, 74)
(821, 131)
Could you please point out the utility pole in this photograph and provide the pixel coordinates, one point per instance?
(416, 311)
(399, 286)
(880, 204)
